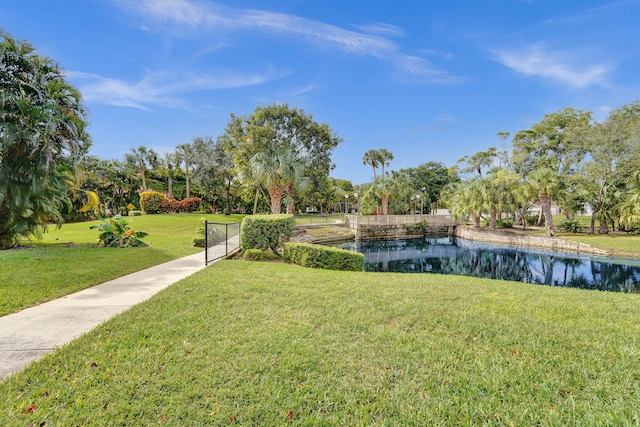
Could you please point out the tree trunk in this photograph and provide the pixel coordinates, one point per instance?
(291, 207)
(144, 181)
(385, 206)
(186, 176)
(275, 193)
(493, 219)
(476, 220)
(227, 208)
(170, 188)
(545, 203)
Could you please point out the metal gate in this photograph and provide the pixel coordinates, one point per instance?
(220, 240)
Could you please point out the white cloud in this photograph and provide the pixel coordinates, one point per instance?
(160, 88)
(382, 29)
(196, 15)
(560, 66)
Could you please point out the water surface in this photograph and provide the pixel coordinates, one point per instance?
(451, 255)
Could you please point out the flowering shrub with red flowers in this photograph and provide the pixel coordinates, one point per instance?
(190, 205)
(169, 206)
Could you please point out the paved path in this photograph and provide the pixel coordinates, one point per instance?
(28, 334)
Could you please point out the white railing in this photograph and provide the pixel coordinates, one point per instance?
(356, 221)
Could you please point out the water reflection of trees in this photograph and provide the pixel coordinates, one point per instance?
(469, 259)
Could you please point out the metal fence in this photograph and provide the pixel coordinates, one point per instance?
(220, 240)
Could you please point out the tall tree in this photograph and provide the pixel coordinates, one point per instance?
(372, 158)
(428, 179)
(142, 158)
(385, 157)
(280, 128)
(479, 160)
(170, 162)
(554, 142)
(42, 135)
(186, 155)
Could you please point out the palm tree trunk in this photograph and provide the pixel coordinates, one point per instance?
(476, 220)
(385, 206)
(255, 201)
(186, 176)
(545, 203)
(291, 207)
(493, 219)
(275, 193)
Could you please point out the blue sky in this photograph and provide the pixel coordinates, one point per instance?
(428, 80)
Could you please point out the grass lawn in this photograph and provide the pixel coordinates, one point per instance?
(274, 344)
(67, 260)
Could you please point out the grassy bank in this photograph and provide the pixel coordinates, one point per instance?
(68, 259)
(273, 344)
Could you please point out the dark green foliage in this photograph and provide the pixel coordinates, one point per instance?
(571, 226)
(150, 201)
(199, 241)
(421, 227)
(116, 233)
(325, 257)
(259, 255)
(42, 135)
(265, 231)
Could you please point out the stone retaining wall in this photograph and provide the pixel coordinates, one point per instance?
(517, 239)
(384, 232)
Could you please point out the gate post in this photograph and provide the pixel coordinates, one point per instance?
(206, 242)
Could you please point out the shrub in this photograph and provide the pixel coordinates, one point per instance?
(199, 241)
(190, 205)
(326, 257)
(259, 255)
(134, 213)
(421, 227)
(150, 201)
(116, 233)
(265, 231)
(571, 226)
(169, 206)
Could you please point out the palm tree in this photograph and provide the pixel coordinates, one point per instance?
(372, 158)
(278, 168)
(384, 156)
(42, 125)
(142, 158)
(547, 184)
(186, 155)
(467, 198)
(170, 162)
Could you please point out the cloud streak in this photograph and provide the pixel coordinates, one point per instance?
(181, 16)
(535, 60)
(163, 89)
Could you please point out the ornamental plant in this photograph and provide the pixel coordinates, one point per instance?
(190, 205)
(116, 233)
(150, 201)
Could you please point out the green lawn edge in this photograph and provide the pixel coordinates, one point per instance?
(254, 343)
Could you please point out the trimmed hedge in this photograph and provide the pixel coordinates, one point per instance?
(265, 231)
(326, 257)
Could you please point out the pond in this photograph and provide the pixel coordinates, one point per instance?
(451, 255)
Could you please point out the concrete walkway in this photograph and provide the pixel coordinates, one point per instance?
(28, 334)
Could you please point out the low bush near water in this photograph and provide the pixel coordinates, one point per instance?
(325, 257)
(259, 255)
(265, 231)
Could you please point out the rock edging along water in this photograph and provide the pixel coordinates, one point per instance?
(525, 240)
